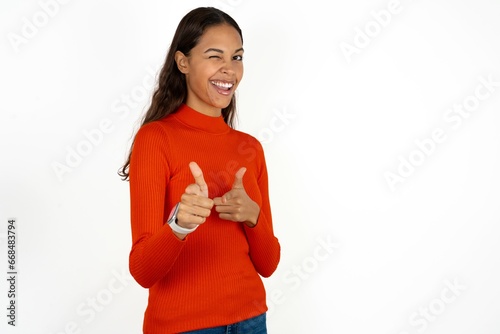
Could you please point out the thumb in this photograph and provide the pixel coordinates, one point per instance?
(238, 178)
(198, 177)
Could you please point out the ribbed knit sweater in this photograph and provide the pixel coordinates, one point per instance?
(213, 276)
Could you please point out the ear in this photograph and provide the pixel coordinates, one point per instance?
(182, 62)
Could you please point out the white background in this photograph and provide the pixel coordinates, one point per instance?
(358, 256)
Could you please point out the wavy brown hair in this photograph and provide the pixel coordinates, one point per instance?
(171, 88)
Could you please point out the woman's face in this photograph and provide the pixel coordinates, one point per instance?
(213, 69)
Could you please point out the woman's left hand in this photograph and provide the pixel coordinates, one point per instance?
(236, 205)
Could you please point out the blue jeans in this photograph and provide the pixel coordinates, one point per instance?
(256, 325)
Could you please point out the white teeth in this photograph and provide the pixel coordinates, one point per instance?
(222, 84)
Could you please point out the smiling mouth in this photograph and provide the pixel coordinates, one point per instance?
(222, 85)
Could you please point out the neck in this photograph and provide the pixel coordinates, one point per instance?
(205, 109)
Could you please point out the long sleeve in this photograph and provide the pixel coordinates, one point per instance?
(264, 246)
(154, 247)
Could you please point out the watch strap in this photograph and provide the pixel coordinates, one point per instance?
(172, 222)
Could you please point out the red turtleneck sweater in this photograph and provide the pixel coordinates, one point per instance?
(212, 277)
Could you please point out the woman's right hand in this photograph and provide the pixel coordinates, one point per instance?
(195, 206)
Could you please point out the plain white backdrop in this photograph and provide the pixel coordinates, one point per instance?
(380, 123)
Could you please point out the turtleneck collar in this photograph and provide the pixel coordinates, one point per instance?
(197, 120)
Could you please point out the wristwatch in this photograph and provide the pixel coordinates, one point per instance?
(172, 222)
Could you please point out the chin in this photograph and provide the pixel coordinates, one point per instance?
(221, 104)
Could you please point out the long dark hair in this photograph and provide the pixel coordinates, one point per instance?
(171, 89)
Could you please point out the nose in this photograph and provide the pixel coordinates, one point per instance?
(227, 68)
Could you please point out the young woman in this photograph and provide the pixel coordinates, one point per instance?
(202, 233)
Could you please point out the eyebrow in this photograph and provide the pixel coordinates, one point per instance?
(220, 51)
